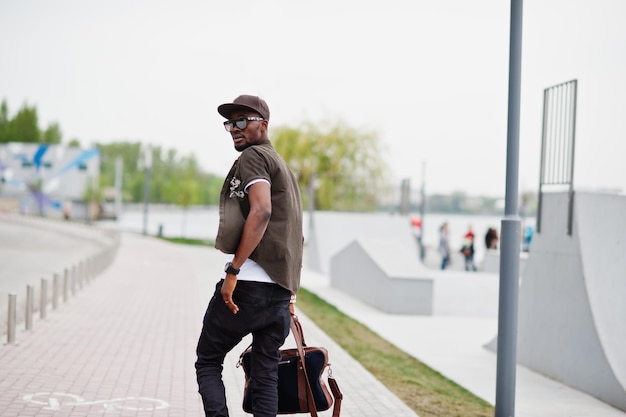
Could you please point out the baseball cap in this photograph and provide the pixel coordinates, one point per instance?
(245, 102)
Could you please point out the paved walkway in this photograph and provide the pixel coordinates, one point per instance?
(125, 345)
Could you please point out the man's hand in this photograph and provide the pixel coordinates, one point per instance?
(230, 282)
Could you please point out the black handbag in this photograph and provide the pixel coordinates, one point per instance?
(298, 386)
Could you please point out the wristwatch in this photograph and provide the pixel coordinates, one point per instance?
(230, 269)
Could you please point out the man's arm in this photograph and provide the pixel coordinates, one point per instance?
(260, 199)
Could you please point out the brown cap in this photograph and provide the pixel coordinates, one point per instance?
(245, 102)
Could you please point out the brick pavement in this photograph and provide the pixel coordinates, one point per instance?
(125, 345)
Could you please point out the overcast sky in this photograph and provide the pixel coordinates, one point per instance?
(430, 77)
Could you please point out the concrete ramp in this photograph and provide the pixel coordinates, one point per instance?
(572, 305)
(371, 271)
(333, 231)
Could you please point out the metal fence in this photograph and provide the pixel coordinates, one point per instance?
(558, 143)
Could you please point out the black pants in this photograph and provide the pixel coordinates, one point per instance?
(264, 312)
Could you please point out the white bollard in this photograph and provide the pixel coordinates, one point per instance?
(73, 280)
(30, 306)
(66, 284)
(12, 318)
(43, 302)
(81, 276)
(55, 291)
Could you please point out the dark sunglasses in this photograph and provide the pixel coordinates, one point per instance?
(241, 123)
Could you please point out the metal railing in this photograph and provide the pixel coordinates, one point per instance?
(558, 143)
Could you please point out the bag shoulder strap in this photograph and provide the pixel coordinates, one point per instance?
(334, 388)
(296, 329)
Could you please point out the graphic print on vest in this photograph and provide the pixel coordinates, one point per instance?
(234, 185)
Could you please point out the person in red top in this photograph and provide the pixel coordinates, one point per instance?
(468, 250)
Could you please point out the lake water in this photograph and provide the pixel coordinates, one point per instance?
(202, 223)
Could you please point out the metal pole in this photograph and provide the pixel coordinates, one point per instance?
(73, 279)
(146, 187)
(311, 190)
(80, 275)
(422, 211)
(66, 278)
(12, 318)
(511, 232)
(55, 291)
(118, 187)
(43, 302)
(30, 304)
(571, 172)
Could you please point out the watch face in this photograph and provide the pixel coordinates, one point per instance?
(230, 269)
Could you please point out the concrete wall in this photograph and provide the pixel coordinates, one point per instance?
(384, 274)
(572, 301)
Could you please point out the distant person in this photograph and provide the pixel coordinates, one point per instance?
(260, 230)
(67, 210)
(416, 226)
(467, 249)
(528, 236)
(491, 239)
(444, 245)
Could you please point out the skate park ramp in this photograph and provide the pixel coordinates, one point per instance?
(572, 300)
(370, 271)
(333, 231)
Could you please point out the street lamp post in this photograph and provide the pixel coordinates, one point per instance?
(147, 166)
(510, 244)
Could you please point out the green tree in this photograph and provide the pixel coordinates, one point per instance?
(93, 196)
(74, 143)
(346, 165)
(23, 127)
(210, 187)
(52, 134)
(4, 122)
(173, 179)
(185, 188)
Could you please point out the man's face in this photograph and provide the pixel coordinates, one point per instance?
(254, 132)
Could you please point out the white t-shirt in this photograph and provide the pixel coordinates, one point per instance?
(250, 270)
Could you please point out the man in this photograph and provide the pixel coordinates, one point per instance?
(261, 231)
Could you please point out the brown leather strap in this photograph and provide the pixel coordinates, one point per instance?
(296, 329)
(334, 388)
(302, 386)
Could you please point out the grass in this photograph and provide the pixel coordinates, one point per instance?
(187, 241)
(423, 389)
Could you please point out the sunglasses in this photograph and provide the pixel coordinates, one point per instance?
(241, 123)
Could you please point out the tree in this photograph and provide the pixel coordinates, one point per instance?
(74, 143)
(52, 134)
(23, 127)
(4, 122)
(346, 166)
(173, 179)
(93, 197)
(185, 187)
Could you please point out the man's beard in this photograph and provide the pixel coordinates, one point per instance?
(242, 147)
